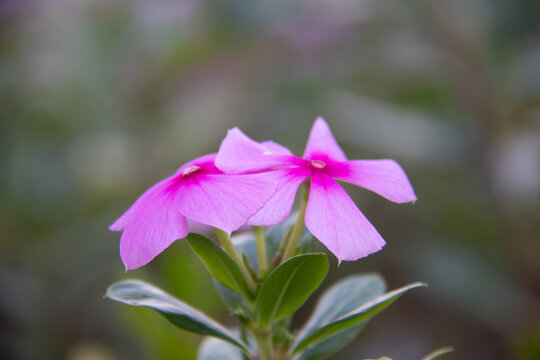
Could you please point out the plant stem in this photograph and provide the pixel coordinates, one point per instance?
(227, 244)
(264, 343)
(298, 227)
(261, 250)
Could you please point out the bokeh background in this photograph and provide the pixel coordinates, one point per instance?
(102, 98)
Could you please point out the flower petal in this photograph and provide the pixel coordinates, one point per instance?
(280, 204)
(154, 226)
(321, 143)
(205, 162)
(276, 148)
(142, 202)
(225, 201)
(240, 154)
(334, 219)
(384, 177)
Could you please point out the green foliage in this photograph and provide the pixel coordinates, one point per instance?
(139, 293)
(154, 337)
(220, 265)
(351, 319)
(234, 302)
(340, 299)
(330, 345)
(289, 285)
(339, 316)
(341, 313)
(245, 244)
(216, 349)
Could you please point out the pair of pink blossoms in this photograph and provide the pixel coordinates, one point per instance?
(250, 183)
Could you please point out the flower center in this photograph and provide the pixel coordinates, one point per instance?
(318, 164)
(190, 170)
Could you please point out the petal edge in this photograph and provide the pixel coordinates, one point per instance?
(321, 143)
(240, 154)
(384, 177)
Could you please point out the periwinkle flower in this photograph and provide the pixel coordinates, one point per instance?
(331, 215)
(198, 191)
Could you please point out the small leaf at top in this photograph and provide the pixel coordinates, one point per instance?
(236, 304)
(246, 245)
(245, 242)
(289, 286)
(220, 265)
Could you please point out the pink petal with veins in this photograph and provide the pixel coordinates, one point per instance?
(205, 162)
(142, 202)
(276, 148)
(199, 191)
(321, 143)
(333, 218)
(224, 201)
(280, 204)
(154, 224)
(240, 154)
(384, 177)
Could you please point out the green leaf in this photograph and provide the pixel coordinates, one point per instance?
(237, 304)
(139, 293)
(245, 242)
(289, 286)
(327, 347)
(234, 302)
(275, 235)
(338, 300)
(220, 265)
(354, 317)
(438, 353)
(216, 349)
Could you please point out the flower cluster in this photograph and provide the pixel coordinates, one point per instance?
(251, 183)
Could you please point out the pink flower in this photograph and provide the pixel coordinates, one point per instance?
(199, 191)
(331, 215)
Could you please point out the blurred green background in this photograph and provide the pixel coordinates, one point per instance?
(100, 99)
